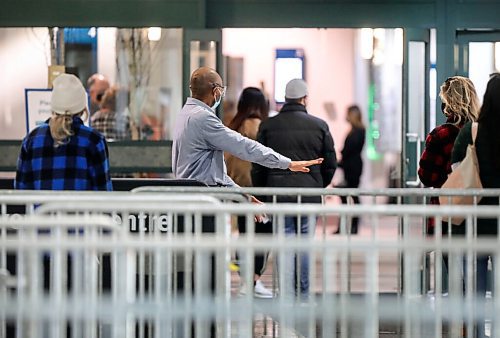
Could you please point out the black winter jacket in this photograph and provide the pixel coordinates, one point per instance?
(296, 134)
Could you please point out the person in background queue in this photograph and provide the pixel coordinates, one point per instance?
(97, 84)
(351, 161)
(488, 156)
(251, 110)
(297, 134)
(63, 153)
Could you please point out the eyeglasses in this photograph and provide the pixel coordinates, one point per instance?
(216, 85)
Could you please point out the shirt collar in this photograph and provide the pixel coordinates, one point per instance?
(196, 102)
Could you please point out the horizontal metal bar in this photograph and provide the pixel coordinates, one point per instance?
(391, 192)
(215, 243)
(277, 209)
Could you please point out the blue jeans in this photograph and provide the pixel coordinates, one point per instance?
(296, 266)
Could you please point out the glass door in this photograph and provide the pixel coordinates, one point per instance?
(478, 56)
(416, 115)
(416, 101)
(201, 47)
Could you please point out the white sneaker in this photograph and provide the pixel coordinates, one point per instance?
(243, 289)
(260, 291)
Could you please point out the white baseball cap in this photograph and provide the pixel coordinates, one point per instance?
(296, 89)
(68, 95)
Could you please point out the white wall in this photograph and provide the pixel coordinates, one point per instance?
(24, 56)
(329, 66)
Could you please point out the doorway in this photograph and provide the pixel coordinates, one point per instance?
(342, 67)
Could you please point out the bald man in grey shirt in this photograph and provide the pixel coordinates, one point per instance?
(200, 138)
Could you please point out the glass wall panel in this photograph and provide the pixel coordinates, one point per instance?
(416, 88)
(203, 54)
(144, 65)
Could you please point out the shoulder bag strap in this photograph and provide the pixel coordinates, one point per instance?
(474, 132)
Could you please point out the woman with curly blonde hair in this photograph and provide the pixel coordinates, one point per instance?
(460, 105)
(460, 101)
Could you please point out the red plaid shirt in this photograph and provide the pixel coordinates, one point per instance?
(434, 165)
(435, 162)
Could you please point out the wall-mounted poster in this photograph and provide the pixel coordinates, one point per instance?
(37, 107)
(288, 65)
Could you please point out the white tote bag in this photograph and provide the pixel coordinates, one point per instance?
(464, 176)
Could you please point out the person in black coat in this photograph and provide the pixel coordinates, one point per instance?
(295, 134)
(488, 156)
(351, 161)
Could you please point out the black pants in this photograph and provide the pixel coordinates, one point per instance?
(260, 228)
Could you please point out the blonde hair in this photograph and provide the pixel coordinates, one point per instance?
(461, 102)
(60, 127)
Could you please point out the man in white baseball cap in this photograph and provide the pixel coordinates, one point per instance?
(296, 89)
(296, 134)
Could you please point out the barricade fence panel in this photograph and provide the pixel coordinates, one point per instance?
(105, 280)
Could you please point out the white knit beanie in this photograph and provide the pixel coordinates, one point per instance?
(296, 89)
(68, 95)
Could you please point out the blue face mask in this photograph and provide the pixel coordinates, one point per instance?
(222, 92)
(217, 102)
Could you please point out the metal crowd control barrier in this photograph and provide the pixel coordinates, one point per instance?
(397, 196)
(153, 307)
(15, 203)
(392, 196)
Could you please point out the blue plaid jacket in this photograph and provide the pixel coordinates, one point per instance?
(81, 164)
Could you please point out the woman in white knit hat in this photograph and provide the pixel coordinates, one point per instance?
(63, 153)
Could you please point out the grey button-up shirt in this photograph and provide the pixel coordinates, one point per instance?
(200, 141)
